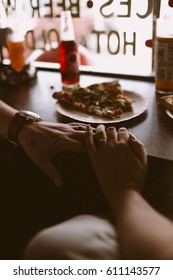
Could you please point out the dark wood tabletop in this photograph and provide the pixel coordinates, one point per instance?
(154, 128)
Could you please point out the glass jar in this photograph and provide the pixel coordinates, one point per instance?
(164, 55)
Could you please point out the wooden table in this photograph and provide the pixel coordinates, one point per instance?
(154, 128)
(31, 196)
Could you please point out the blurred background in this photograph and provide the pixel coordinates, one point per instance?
(111, 34)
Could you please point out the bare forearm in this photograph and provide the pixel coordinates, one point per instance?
(6, 115)
(143, 232)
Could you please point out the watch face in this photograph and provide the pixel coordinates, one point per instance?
(30, 116)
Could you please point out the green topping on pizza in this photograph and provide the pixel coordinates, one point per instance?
(106, 100)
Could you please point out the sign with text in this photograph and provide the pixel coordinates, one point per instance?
(111, 34)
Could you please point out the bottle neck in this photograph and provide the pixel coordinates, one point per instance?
(66, 27)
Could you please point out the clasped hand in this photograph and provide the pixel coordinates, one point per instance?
(43, 141)
(118, 158)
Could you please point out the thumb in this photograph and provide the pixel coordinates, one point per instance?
(138, 148)
(52, 172)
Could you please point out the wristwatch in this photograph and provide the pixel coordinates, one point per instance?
(19, 119)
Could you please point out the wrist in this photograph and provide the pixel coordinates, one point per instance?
(117, 189)
(119, 195)
(6, 115)
(119, 199)
(26, 132)
(20, 119)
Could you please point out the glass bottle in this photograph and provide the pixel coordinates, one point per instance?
(164, 55)
(68, 52)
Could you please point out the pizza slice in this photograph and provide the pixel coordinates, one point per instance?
(106, 100)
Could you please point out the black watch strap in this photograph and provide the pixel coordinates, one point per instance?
(15, 127)
(19, 119)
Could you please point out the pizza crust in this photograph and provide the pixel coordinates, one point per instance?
(167, 102)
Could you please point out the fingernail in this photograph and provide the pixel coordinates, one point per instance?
(88, 127)
(122, 129)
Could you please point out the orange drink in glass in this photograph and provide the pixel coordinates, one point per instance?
(15, 45)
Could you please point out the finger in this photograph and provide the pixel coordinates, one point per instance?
(138, 148)
(52, 172)
(123, 135)
(92, 150)
(80, 126)
(111, 135)
(149, 43)
(101, 133)
(76, 124)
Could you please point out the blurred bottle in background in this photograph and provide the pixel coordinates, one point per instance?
(68, 52)
(164, 55)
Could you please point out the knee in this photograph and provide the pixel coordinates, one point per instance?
(82, 237)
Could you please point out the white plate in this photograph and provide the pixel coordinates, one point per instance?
(169, 113)
(140, 105)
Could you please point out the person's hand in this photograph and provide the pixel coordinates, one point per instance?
(118, 158)
(42, 141)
